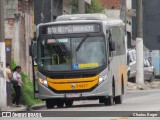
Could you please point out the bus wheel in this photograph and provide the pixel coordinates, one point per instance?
(50, 103)
(60, 103)
(118, 99)
(109, 101)
(68, 103)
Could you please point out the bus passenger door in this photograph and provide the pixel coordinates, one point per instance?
(111, 45)
(35, 80)
(33, 54)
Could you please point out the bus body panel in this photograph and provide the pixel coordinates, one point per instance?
(99, 91)
(90, 87)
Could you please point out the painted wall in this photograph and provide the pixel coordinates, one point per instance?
(19, 28)
(28, 37)
(111, 4)
(10, 32)
(66, 8)
(3, 95)
(10, 8)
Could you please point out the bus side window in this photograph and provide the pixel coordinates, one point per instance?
(108, 32)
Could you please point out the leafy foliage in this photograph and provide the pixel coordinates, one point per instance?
(74, 7)
(95, 7)
(27, 93)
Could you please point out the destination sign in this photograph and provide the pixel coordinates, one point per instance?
(89, 28)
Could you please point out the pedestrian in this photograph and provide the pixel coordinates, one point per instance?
(17, 87)
(8, 83)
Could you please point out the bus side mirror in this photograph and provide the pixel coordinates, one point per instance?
(128, 60)
(33, 50)
(112, 46)
(30, 50)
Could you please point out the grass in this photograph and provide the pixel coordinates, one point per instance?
(27, 93)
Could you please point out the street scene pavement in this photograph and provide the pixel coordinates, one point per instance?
(135, 100)
(77, 59)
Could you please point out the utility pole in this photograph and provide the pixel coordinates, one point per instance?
(81, 6)
(51, 10)
(139, 43)
(1, 21)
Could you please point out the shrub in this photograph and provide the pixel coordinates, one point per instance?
(27, 93)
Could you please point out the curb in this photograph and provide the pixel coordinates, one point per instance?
(23, 108)
(37, 107)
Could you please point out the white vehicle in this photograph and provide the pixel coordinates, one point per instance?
(149, 71)
(131, 61)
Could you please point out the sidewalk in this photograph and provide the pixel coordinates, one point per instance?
(38, 106)
(146, 86)
(11, 108)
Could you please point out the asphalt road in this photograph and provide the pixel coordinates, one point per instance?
(137, 100)
(134, 100)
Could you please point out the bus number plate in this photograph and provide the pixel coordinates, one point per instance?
(73, 95)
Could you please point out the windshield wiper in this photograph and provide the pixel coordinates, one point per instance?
(80, 44)
(61, 47)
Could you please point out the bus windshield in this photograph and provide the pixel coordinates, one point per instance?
(61, 54)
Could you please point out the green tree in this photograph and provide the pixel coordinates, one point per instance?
(95, 7)
(74, 7)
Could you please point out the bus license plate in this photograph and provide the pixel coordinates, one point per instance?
(73, 95)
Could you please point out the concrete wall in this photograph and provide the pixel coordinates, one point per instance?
(10, 7)
(3, 95)
(22, 43)
(19, 28)
(66, 8)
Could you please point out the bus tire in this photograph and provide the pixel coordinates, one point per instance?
(118, 99)
(50, 103)
(60, 103)
(68, 103)
(109, 101)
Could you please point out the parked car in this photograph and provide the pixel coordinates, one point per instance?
(149, 71)
(131, 64)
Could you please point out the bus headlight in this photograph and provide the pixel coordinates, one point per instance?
(103, 78)
(44, 82)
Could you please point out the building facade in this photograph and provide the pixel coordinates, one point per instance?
(21, 18)
(48, 10)
(111, 4)
(19, 31)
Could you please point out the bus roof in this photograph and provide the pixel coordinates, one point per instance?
(89, 17)
(83, 19)
(112, 22)
(95, 16)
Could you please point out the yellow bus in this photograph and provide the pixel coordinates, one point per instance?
(78, 57)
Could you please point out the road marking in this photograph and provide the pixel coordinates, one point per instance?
(122, 118)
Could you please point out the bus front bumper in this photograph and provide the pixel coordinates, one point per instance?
(101, 90)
